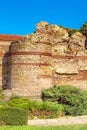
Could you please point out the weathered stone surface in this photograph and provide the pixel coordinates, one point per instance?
(47, 57)
(77, 43)
(82, 64)
(66, 67)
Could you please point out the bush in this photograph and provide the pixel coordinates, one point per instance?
(75, 111)
(52, 106)
(19, 102)
(35, 105)
(13, 116)
(37, 108)
(56, 109)
(71, 31)
(45, 109)
(61, 94)
(73, 99)
(83, 28)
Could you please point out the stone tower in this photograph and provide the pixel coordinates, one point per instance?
(31, 65)
(45, 58)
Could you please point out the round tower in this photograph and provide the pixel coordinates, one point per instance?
(31, 70)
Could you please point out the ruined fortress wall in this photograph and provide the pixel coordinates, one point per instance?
(45, 58)
(70, 64)
(30, 68)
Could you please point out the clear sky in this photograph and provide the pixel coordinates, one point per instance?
(20, 16)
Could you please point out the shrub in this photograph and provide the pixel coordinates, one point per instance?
(61, 94)
(45, 109)
(73, 99)
(37, 108)
(52, 106)
(35, 105)
(56, 109)
(83, 28)
(13, 116)
(19, 102)
(71, 31)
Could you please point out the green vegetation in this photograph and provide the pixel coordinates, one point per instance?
(73, 127)
(1, 96)
(13, 116)
(37, 108)
(17, 110)
(71, 98)
(44, 110)
(71, 31)
(19, 102)
(57, 101)
(83, 29)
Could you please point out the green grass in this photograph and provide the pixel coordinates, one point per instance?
(74, 127)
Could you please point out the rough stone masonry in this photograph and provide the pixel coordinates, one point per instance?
(45, 58)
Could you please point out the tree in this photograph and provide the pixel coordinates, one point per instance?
(71, 31)
(83, 29)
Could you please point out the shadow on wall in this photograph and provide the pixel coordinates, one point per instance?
(6, 71)
(86, 43)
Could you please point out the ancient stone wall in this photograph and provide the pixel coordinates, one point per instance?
(4, 68)
(30, 68)
(70, 65)
(5, 41)
(45, 58)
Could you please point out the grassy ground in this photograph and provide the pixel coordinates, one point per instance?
(76, 127)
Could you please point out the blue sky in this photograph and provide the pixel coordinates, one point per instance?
(20, 16)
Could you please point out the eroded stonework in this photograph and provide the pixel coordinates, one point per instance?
(45, 58)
